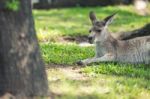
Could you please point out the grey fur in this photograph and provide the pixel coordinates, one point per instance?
(107, 48)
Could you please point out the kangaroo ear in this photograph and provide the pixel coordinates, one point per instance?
(109, 19)
(92, 16)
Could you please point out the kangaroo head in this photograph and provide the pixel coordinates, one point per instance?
(98, 32)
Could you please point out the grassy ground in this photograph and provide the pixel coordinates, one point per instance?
(96, 81)
(51, 24)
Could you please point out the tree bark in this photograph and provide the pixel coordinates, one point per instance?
(22, 70)
(144, 31)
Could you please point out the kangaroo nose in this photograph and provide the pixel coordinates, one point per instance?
(90, 31)
(90, 38)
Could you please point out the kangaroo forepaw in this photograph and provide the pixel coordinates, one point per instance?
(79, 63)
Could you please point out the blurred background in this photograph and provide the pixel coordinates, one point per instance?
(45, 4)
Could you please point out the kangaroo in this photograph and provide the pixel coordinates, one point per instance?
(108, 48)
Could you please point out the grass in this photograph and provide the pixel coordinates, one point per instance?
(101, 85)
(66, 54)
(136, 71)
(96, 81)
(51, 24)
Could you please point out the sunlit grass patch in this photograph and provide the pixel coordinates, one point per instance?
(45, 36)
(68, 54)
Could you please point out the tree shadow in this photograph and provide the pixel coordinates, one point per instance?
(110, 78)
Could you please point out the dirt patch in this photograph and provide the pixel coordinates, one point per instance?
(62, 80)
(69, 72)
(73, 73)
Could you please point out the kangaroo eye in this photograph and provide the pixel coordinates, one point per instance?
(98, 30)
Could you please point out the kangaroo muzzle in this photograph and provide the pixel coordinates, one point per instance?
(91, 36)
(90, 39)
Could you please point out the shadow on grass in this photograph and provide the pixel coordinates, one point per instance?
(101, 11)
(69, 96)
(101, 84)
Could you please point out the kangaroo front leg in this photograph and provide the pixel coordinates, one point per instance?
(105, 58)
(86, 61)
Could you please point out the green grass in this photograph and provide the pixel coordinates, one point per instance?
(101, 80)
(101, 85)
(104, 80)
(53, 23)
(137, 71)
(64, 54)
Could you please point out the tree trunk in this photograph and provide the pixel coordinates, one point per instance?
(144, 31)
(22, 70)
